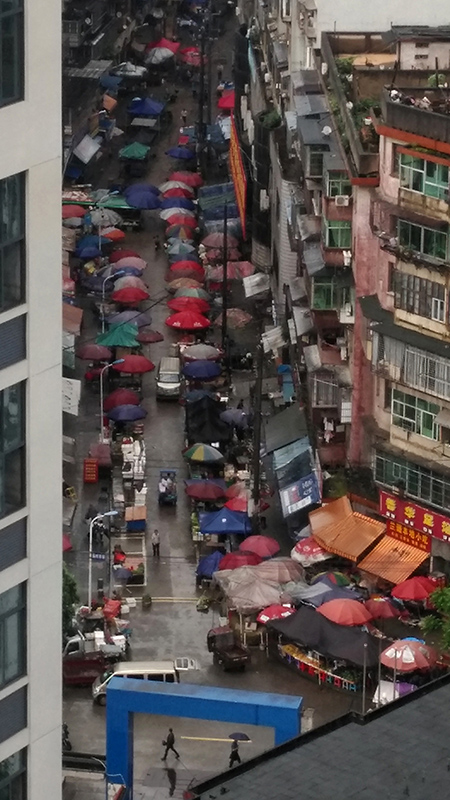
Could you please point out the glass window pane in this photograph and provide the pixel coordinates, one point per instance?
(12, 287)
(11, 435)
(14, 481)
(13, 639)
(11, 600)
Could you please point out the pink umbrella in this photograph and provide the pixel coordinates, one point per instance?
(71, 211)
(121, 253)
(188, 178)
(233, 254)
(235, 560)
(274, 612)
(345, 612)
(134, 365)
(66, 543)
(406, 655)
(263, 546)
(130, 281)
(217, 240)
(417, 588)
(114, 234)
(149, 337)
(129, 261)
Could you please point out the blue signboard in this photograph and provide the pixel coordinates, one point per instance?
(301, 494)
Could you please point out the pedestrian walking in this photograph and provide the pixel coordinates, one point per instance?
(169, 744)
(184, 118)
(234, 754)
(157, 243)
(155, 543)
(219, 73)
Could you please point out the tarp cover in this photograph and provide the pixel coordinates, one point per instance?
(285, 428)
(310, 629)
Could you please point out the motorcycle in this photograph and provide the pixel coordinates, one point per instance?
(66, 743)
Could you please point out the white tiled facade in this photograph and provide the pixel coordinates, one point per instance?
(30, 143)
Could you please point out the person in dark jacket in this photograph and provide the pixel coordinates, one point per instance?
(169, 744)
(234, 754)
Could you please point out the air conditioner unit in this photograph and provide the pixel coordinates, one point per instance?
(268, 78)
(264, 201)
(342, 200)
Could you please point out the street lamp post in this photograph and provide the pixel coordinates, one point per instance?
(99, 205)
(105, 281)
(102, 371)
(91, 531)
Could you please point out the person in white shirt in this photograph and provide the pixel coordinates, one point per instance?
(155, 543)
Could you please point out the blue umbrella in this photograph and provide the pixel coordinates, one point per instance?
(236, 417)
(225, 521)
(209, 564)
(92, 241)
(143, 200)
(110, 81)
(141, 187)
(180, 152)
(145, 107)
(122, 573)
(127, 413)
(184, 257)
(89, 252)
(202, 370)
(178, 202)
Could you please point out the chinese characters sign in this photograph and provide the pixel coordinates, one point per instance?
(409, 536)
(298, 495)
(413, 516)
(238, 174)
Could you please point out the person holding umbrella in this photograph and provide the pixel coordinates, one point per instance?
(234, 754)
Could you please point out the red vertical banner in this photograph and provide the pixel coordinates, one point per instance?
(238, 174)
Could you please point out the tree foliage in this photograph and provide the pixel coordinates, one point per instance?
(69, 598)
(440, 621)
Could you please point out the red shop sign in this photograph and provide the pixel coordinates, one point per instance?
(413, 516)
(421, 541)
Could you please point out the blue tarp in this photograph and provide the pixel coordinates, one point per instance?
(208, 565)
(225, 521)
(146, 107)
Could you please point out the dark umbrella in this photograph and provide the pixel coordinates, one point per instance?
(127, 413)
(174, 258)
(120, 253)
(143, 200)
(149, 337)
(94, 352)
(139, 318)
(202, 370)
(180, 152)
(239, 737)
(236, 417)
(89, 252)
(205, 490)
(121, 397)
(122, 573)
(197, 394)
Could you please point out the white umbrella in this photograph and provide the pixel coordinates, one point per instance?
(166, 213)
(73, 222)
(105, 217)
(158, 55)
(127, 69)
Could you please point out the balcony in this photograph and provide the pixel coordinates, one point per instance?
(432, 124)
(422, 204)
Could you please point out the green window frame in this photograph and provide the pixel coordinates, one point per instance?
(324, 294)
(426, 177)
(13, 777)
(337, 233)
(419, 296)
(426, 241)
(338, 183)
(13, 634)
(414, 414)
(419, 482)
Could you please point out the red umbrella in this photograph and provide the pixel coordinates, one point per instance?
(188, 192)
(94, 352)
(241, 504)
(185, 303)
(418, 588)
(129, 296)
(307, 552)
(204, 490)
(118, 254)
(217, 240)
(345, 612)
(274, 612)
(183, 283)
(263, 546)
(235, 560)
(192, 57)
(189, 178)
(73, 211)
(226, 101)
(405, 655)
(188, 321)
(114, 234)
(134, 365)
(237, 490)
(149, 337)
(182, 219)
(381, 608)
(121, 397)
(66, 543)
(190, 266)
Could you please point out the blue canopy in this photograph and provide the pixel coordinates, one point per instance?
(225, 521)
(110, 81)
(209, 564)
(146, 107)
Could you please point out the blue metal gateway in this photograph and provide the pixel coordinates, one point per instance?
(126, 697)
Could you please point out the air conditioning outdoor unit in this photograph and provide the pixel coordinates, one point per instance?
(268, 77)
(342, 200)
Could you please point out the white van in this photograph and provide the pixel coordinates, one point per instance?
(162, 671)
(168, 379)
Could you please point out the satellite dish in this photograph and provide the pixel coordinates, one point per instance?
(326, 131)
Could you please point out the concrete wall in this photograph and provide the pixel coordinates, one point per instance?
(31, 142)
(379, 15)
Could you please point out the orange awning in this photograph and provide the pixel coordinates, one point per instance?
(72, 319)
(109, 103)
(392, 560)
(340, 530)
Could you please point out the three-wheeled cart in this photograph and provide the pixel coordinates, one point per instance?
(167, 487)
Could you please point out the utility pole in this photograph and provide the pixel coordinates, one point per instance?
(201, 100)
(257, 407)
(225, 280)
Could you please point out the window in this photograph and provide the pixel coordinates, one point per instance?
(338, 183)
(428, 241)
(13, 777)
(337, 233)
(12, 635)
(427, 372)
(11, 51)
(424, 176)
(419, 296)
(12, 449)
(414, 414)
(12, 241)
(419, 482)
(324, 294)
(315, 160)
(325, 390)
(391, 273)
